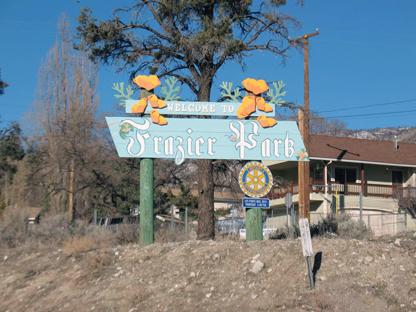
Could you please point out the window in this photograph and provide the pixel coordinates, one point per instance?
(397, 177)
(345, 175)
(317, 171)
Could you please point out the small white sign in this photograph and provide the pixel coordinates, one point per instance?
(305, 235)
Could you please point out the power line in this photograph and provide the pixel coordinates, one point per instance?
(365, 106)
(366, 115)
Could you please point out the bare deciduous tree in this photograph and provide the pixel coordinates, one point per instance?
(66, 106)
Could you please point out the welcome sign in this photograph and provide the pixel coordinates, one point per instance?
(184, 139)
(197, 108)
(234, 134)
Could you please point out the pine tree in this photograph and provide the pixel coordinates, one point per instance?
(189, 40)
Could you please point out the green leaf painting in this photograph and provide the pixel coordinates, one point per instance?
(122, 94)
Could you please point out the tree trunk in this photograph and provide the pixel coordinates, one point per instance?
(206, 221)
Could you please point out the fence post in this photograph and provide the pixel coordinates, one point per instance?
(186, 222)
(95, 216)
(405, 220)
(172, 209)
(382, 224)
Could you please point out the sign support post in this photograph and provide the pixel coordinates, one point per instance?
(310, 274)
(255, 181)
(254, 224)
(146, 201)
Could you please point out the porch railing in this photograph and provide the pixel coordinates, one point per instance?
(368, 189)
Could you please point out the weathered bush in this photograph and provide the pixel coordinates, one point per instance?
(94, 238)
(13, 228)
(341, 225)
(349, 228)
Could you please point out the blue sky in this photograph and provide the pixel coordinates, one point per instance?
(364, 55)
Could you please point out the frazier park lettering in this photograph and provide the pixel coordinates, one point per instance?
(206, 139)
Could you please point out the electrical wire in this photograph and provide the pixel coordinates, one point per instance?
(365, 106)
(365, 115)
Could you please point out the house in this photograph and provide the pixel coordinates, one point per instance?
(346, 173)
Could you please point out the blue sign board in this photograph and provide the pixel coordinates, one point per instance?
(184, 138)
(198, 108)
(256, 203)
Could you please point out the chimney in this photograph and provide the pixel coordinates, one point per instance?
(396, 143)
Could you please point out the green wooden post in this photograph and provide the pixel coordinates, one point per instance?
(146, 201)
(254, 224)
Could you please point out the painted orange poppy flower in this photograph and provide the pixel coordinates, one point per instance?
(140, 106)
(263, 106)
(255, 86)
(247, 107)
(147, 82)
(266, 122)
(157, 118)
(155, 102)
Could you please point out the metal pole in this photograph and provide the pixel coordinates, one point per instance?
(95, 216)
(146, 201)
(254, 224)
(171, 217)
(361, 206)
(310, 275)
(287, 215)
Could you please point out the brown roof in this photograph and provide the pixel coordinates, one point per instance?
(331, 147)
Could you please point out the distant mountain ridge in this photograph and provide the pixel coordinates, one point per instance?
(402, 134)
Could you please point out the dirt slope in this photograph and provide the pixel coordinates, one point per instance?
(213, 276)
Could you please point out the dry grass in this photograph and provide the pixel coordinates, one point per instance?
(165, 234)
(322, 302)
(78, 245)
(127, 233)
(97, 238)
(97, 261)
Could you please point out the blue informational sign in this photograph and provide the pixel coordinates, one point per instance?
(198, 108)
(262, 203)
(184, 138)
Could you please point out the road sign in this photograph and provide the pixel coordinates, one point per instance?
(262, 203)
(305, 235)
(184, 139)
(198, 108)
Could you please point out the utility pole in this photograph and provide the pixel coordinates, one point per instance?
(303, 119)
